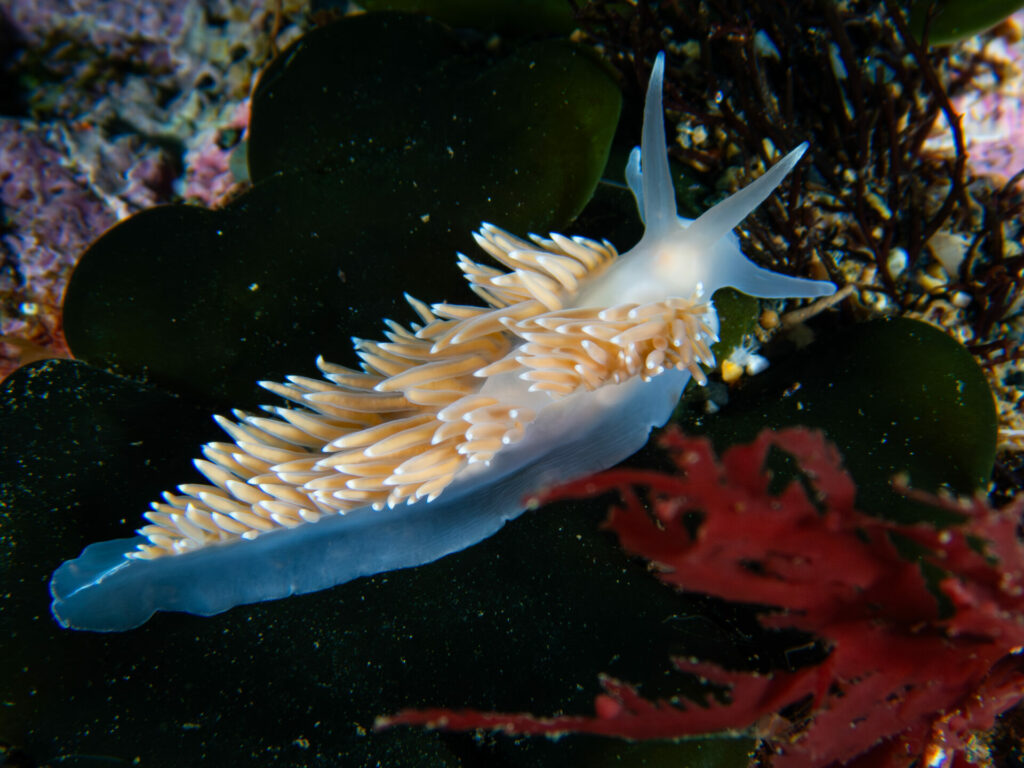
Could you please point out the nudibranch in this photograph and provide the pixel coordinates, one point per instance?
(452, 422)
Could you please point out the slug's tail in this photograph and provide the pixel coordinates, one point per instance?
(103, 591)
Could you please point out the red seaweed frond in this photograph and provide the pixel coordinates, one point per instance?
(923, 649)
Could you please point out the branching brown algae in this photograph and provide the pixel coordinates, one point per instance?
(891, 208)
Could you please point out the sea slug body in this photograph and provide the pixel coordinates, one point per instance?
(450, 423)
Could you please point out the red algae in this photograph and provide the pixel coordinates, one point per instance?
(922, 650)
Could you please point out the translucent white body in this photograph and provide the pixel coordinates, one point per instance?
(574, 435)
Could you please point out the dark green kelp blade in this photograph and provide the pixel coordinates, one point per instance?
(504, 17)
(526, 133)
(322, 247)
(897, 396)
(950, 21)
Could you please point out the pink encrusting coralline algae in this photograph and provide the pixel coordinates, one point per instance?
(905, 678)
(208, 175)
(51, 217)
(992, 107)
(174, 73)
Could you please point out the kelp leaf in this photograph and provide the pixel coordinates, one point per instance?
(896, 396)
(205, 303)
(507, 17)
(528, 134)
(955, 20)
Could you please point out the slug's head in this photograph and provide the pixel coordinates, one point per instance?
(680, 257)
